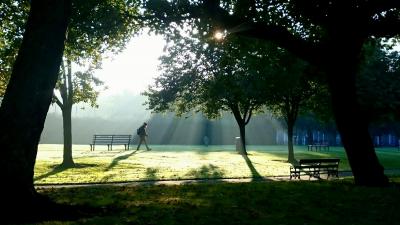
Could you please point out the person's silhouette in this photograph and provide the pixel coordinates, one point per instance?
(142, 132)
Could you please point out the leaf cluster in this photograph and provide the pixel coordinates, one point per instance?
(85, 88)
(97, 27)
(13, 15)
(203, 74)
(378, 82)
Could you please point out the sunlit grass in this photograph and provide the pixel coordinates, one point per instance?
(177, 162)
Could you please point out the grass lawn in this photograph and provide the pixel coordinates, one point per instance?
(276, 203)
(327, 202)
(168, 162)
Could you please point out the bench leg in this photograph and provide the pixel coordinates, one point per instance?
(315, 174)
(294, 173)
(335, 173)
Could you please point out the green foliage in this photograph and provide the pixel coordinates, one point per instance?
(204, 74)
(292, 90)
(85, 91)
(13, 15)
(378, 82)
(97, 27)
(277, 76)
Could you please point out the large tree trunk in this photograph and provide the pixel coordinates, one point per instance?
(26, 102)
(351, 124)
(67, 128)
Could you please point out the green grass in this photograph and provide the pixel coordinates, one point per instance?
(178, 162)
(328, 202)
(312, 203)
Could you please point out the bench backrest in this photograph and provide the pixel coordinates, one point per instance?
(319, 161)
(111, 138)
(321, 143)
(121, 138)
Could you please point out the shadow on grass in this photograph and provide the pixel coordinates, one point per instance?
(59, 169)
(119, 158)
(246, 204)
(205, 172)
(254, 173)
(151, 173)
(151, 176)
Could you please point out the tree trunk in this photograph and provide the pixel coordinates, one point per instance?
(290, 125)
(241, 121)
(309, 136)
(242, 130)
(67, 92)
(67, 128)
(351, 124)
(26, 102)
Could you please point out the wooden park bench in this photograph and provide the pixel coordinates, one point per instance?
(315, 167)
(318, 147)
(110, 140)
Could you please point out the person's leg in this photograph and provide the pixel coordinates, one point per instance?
(145, 142)
(140, 142)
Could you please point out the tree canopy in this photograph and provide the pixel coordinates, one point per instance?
(209, 75)
(96, 27)
(328, 34)
(13, 16)
(378, 82)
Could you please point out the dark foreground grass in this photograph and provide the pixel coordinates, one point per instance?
(298, 203)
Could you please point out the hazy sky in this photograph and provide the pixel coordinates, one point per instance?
(126, 75)
(133, 69)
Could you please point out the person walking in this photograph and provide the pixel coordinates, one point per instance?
(142, 132)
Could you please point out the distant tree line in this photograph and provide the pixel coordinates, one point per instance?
(168, 129)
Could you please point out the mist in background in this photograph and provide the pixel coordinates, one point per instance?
(124, 113)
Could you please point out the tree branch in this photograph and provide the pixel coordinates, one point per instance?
(63, 85)
(260, 30)
(70, 90)
(249, 116)
(385, 28)
(58, 102)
